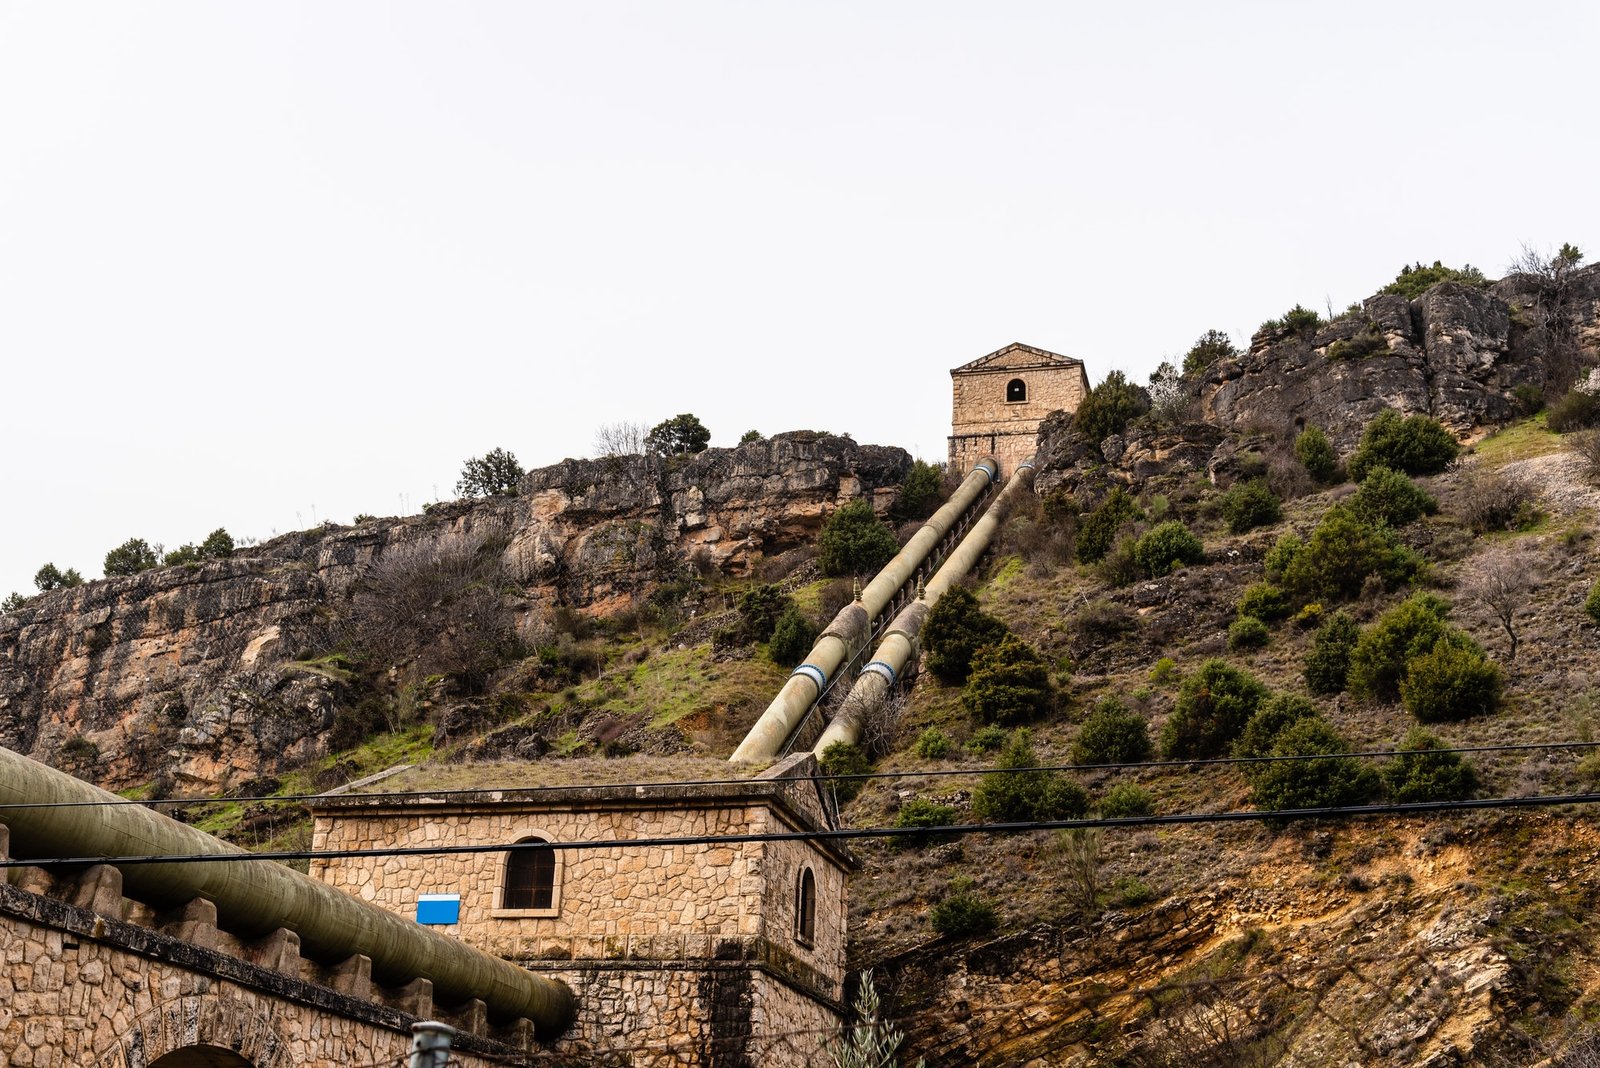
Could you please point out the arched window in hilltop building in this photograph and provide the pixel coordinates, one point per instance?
(528, 882)
(1016, 390)
(805, 908)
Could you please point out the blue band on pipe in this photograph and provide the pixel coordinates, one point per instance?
(986, 472)
(878, 667)
(817, 676)
(1024, 467)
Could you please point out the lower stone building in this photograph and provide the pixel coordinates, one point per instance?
(681, 950)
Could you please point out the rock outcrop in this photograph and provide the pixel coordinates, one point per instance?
(212, 674)
(1457, 353)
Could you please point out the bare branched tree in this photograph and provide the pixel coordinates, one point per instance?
(1551, 276)
(422, 611)
(1503, 580)
(620, 439)
(1080, 864)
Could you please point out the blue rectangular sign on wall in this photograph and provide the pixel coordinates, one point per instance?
(435, 909)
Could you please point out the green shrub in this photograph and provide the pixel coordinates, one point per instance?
(1413, 445)
(1163, 670)
(494, 474)
(1009, 683)
(1309, 615)
(183, 554)
(963, 913)
(1452, 680)
(1293, 784)
(49, 577)
(1416, 280)
(1281, 557)
(1276, 713)
(845, 758)
(956, 629)
(1111, 734)
(749, 436)
(1129, 891)
(1166, 547)
(760, 608)
(1421, 774)
(932, 744)
(1342, 552)
(1591, 604)
(988, 739)
(1264, 601)
(1378, 659)
(1328, 663)
(1120, 567)
(1213, 345)
(218, 545)
(1387, 496)
(1297, 320)
(1247, 632)
(1126, 800)
(1315, 453)
(1100, 526)
(920, 812)
(13, 601)
(792, 638)
(1576, 410)
(681, 435)
(130, 558)
(1109, 407)
(921, 493)
(1368, 342)
(1251, 504)
(854, 541)
(1212, 707)
(1014, 796)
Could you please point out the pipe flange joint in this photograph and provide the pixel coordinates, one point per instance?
(879, 668)
(985, 467)
(818, 677)
(1026, 465)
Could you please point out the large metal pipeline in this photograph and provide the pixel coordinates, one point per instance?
(255, 897)
(851, 628)
(899, 646)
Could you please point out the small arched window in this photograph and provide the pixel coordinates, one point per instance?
(805, 908)
(1016, 390)
(530, 878)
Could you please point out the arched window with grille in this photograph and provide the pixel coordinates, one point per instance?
(805, 908)
(530, 880)
(1016, 390)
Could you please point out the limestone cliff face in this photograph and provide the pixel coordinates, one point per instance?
(1455, 353)
(208, 674)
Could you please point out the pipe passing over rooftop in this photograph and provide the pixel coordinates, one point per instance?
(255, 899)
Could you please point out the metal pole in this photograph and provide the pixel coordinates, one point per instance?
(430, 1044)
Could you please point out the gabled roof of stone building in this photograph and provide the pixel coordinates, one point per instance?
(1017, 357)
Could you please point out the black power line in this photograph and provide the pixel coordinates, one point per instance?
(931, 773)
(1416, 808)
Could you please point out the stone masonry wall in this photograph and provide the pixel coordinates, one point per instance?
(984, 423)
(79, 990)
(677, 954)
(707, 1014)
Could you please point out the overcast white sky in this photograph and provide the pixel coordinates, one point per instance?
(265, 264)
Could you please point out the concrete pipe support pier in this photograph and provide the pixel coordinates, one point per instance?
(852, 627)
(900, 646)
(65, 817)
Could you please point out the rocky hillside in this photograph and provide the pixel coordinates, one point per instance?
(209, 675)
(1445, 940)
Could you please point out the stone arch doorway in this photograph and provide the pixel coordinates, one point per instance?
(204, 1031)
(201, 1057)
